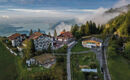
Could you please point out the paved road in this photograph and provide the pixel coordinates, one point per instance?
(104, 57)
(68, 61)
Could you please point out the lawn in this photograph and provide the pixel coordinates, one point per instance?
(78, 47)
(7, 64)
(88, 60)
(119, 67)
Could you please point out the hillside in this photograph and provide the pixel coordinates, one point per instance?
(118, 10)
(7, 64)
(119, 25)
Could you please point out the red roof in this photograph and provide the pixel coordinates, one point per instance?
(35, 35)
(13, 36)
(66, 35)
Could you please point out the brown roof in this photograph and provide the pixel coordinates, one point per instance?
(44, 57)
(35, 35)
(13, 36)
(65, 35)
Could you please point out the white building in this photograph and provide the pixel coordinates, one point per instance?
(65, 37)
(16, 39)
(92, 42)
(41, 41)
(45, 60)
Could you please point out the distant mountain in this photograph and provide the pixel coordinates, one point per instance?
(6, 30)
(119, 10)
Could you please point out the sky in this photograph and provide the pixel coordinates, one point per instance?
(76, 4)
(44, 14)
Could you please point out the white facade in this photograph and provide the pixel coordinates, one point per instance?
(17, 41)
(43, 42)
(89, 45)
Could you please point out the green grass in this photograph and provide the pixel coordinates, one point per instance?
(119, 67)
(78, 47)
(61, 50)
(7, 64)
(56, 72)
(14, 68)
(83, 59)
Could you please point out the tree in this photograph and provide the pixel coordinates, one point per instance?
(29, 49)
(77, 34)
(87, 29)
(94, 28)
(64, 30)
(127, 50)
(71, 30)
(82, 30)
(32, 46)
(74, 29)
(49, 50)
(55, 33)
(31, 32)
(39, 30)
(49, 34)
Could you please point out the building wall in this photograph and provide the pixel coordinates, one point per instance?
(90, 44)
(43, 42)
(17, 41)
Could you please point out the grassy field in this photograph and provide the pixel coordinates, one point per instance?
(88, 60)
(7, 64)
(119, 67)
(78, 47)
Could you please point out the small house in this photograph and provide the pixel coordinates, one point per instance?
(45, 60)
(92, 42)
(65, 37)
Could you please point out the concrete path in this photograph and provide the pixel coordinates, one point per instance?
(68, 61)
(104, 57)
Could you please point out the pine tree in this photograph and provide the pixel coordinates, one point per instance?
(71, 29)
(31, 32)
(87, 29)
(64, 30)
(49, 34)
(75, 28)
(39, 30)
(49, 50)
(55, 33)
(82, 30)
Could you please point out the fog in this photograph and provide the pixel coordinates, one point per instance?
(50, 19)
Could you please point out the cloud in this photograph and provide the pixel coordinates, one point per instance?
(62, 26)
(121, 3)
(5, 17)
(30, 17)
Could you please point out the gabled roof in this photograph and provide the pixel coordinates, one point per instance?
(65, 35)
(35, 35)
(14, 36)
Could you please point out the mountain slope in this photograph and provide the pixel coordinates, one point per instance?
(119, 10)
(120, 25)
